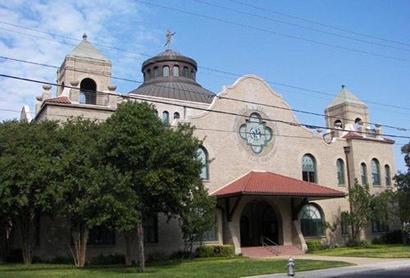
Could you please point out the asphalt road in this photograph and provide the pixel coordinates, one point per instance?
(387, 273)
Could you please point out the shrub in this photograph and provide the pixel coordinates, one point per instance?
(357, 243)
(314, 244)
(215, 251)
(181, 255)
(107, 259)
(389, 238)
(156, 257)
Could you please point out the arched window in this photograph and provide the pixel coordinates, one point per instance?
(165, 117)
(88, 91)
(387, 174)
(311, 222)
(175, 71)
(149, 73)
(309, 168)
(186, 72)
(176, 116)
(202, 155)
(358, 123)
(157, 72)
(375, 165)
(340, 171)
(338, 124)
(363, 173)
(165, 71)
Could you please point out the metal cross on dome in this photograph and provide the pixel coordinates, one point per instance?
(169, 35)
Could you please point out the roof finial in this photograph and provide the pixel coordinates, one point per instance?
(343, 86)
(169, 35)
(85, 36)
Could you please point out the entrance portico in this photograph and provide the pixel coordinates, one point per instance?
(261, 208)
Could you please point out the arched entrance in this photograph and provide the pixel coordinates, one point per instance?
(258, 220)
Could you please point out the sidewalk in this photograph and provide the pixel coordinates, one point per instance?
(361, 265)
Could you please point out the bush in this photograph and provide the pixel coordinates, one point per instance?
(156, 257)
(215, 251)
(314, 244)
(181, 255)
(107, 259)
(14, 256)
(389, 238)
(357, 243)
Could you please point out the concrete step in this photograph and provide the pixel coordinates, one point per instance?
(269, 251)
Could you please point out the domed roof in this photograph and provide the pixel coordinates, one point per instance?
(172, 75)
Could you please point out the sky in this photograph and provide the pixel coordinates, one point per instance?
(305, 49)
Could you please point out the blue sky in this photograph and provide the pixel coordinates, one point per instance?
(229, 40)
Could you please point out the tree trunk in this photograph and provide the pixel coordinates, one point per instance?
(141, 255)
(80, 238)
(4, 239)
(26, 225)
(129, 247)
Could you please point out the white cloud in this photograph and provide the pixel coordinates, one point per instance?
(106, 22)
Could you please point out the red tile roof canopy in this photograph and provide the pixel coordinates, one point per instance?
(267, 183)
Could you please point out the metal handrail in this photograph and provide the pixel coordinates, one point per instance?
(264, 238)
(272, 244)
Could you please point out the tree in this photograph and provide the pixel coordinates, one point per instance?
(92, 193)
(159, 160)
(358, 217)
(403, 187)
(197, 216)
(28, 152)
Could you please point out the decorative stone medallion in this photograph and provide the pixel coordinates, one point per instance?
(255, 132)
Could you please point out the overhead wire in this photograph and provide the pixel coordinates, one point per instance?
(265, 9)
(272, 32)
(309, 126)
(299, 25)
(228, 73)
(217, 96)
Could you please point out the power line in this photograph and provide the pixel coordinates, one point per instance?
(300, 26)
(202, 109)
(220, 97)
(228, 73)
(268, 31)
(264, 9)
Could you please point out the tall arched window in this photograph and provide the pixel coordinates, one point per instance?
(202, 155)
(340, 171)
(157, 72)
(387, 174)
(363, 173)
(175, 71)
(88, 91)
(165, 117)
(375, 165)
(165, 71)
(309, 168)
(186, 72)
(311, 222)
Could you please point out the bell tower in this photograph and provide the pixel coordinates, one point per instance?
(347, 112)
(88, 70)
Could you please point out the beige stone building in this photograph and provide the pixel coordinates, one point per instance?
(277, 182)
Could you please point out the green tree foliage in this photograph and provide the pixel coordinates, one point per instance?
(197, 216)
(28, 153)
(92, 193)
(160, 162)
(403, 187)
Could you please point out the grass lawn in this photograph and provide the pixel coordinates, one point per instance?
(373, 251)
(209, 267)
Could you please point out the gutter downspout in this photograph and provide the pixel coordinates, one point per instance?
(349, 185)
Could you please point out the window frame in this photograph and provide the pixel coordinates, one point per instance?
(340, 169)
(375, 168)
(316, 228)
(205, 163)
(363, 174)
(309, 176)
(387, 175)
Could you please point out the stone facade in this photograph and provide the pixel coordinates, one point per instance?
(229, 154)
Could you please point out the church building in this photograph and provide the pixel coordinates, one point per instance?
(277, 182)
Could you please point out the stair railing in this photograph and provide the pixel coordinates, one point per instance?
(268, 243)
